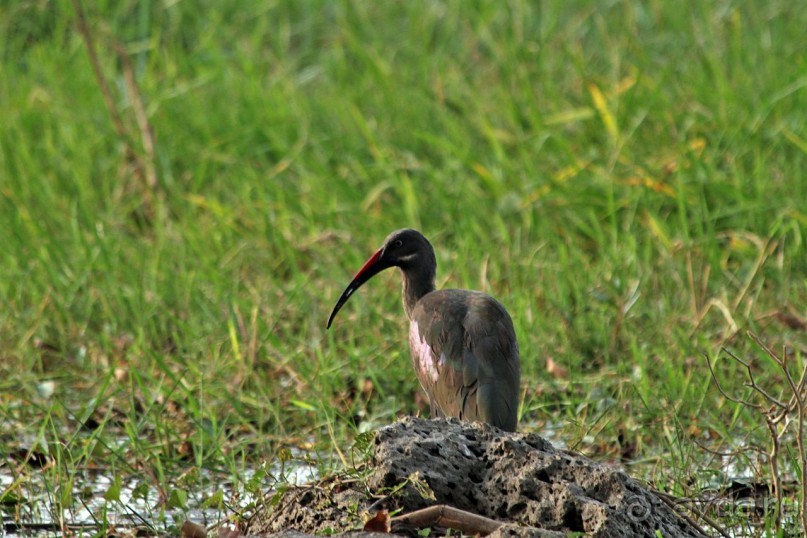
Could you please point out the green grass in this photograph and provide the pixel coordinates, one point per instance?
(627, 177)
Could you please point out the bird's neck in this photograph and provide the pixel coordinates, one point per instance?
(417, 282)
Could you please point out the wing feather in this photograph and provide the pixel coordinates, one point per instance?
(465, 354)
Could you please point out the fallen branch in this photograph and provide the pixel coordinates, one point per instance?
(445, 516)
(678, 504)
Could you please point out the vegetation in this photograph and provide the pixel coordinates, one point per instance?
(627, 177)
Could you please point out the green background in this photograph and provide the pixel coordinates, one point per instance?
(626, 177)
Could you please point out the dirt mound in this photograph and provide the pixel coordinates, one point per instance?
(517, 479)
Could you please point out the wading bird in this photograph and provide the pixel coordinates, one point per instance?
(463, 344)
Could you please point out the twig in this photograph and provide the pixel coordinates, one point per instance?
(752, 383)
(723, 392)
(720, 306)
(143, 123)
(796, 402)
(765, 250)
(442, 515)
(86, 34)
(774, 463)
(730, 453)
(674, 503)
(144, 167)
(799, 440)
(693, 295)
(13, 527)
(778, 417)
(781, 362)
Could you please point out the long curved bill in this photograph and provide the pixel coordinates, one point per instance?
(370, 268)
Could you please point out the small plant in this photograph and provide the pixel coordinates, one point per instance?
(783, 412)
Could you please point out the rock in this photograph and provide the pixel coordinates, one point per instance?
(517, 479)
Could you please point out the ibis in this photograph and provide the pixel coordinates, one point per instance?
(463, 343)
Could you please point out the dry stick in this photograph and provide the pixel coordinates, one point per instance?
(720, 306)
(723, 392)
(773, 457)
(764, 252)
(752, 383)
(771, 421)
(84, 30)
(144, 168)
(693, 295)
(733, 453)
(146, 131)
(730, 453)
(798, 400)
(674, 503)
(21, 527)
(778, 412)
(799, 440)
(774, 463)
(442, 515)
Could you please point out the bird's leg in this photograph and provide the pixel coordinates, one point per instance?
(435, 409)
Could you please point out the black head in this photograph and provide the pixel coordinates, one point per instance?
(405, 248)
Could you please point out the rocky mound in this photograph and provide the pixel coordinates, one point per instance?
(517, 480)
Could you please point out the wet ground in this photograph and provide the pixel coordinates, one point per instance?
(96, 503)
(32, 505)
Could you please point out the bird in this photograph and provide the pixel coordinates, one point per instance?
(463, 343)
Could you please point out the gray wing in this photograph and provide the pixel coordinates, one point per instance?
(465, 354)
(491, 356)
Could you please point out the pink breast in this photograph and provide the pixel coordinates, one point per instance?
(426, 364)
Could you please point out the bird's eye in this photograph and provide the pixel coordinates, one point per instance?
(398, 243)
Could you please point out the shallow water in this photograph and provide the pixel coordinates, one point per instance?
(99, 504)
(96, 504)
